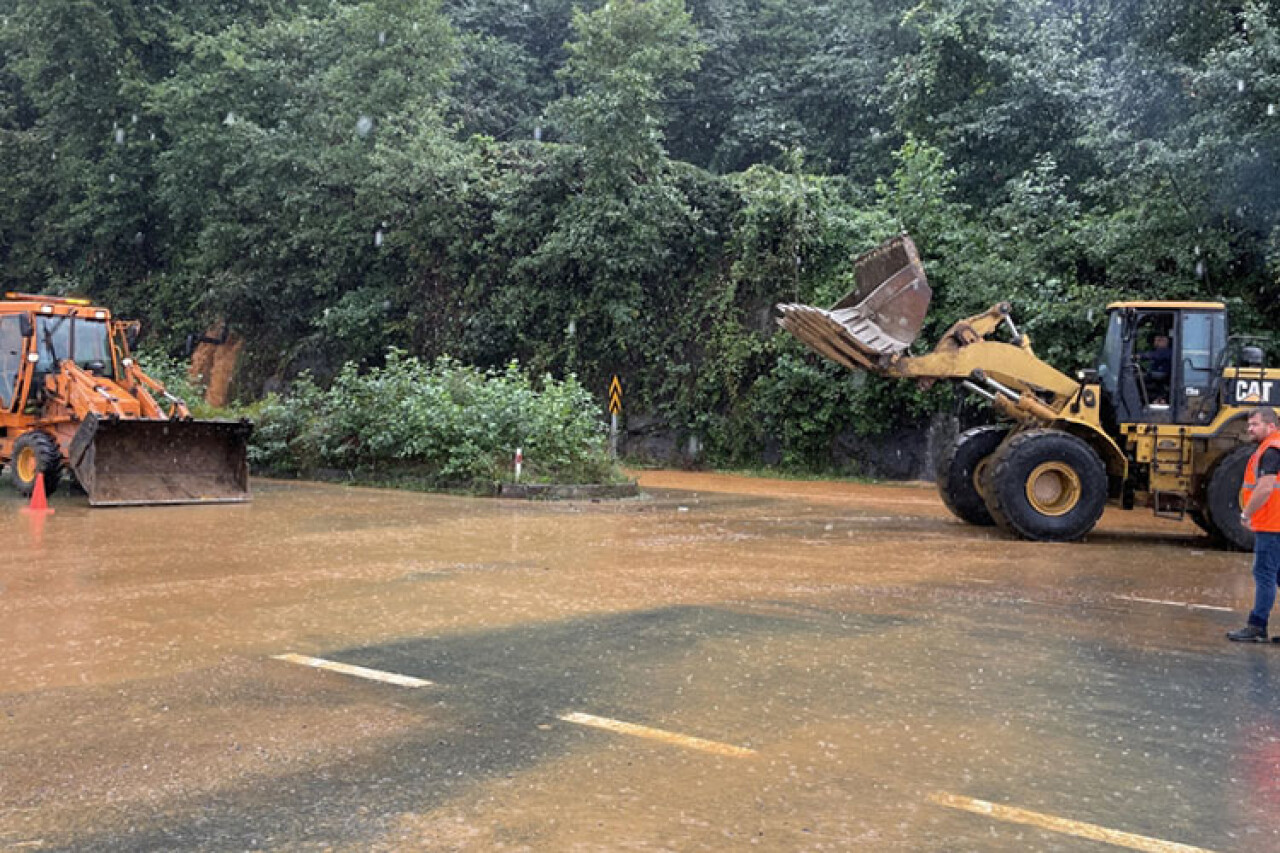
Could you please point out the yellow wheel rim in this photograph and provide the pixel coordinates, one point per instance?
(28, 464)
(1053, 488)
(979, 471)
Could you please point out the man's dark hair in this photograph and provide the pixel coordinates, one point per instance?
(1266, 415)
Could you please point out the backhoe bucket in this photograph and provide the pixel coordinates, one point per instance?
(136, 462)
(879, 319)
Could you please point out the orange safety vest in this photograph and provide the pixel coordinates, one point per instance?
(1266, 519)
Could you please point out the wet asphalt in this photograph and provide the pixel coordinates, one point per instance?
(817, 666)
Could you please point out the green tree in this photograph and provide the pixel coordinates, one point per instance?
(300, 148)
(613, 239)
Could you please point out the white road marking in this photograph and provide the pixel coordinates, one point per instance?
(357, 671)
(658, 734)
(1062, 825)
(1187, 604)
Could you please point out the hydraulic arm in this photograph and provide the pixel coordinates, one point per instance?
(872, 328)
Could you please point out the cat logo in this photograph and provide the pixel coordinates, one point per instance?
(1253, 391)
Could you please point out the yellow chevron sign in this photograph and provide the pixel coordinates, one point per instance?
(615, 397)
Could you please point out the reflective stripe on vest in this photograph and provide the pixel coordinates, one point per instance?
(1267, 518)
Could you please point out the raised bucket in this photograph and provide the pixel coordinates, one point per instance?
(880, 318)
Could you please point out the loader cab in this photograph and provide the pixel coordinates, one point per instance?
(84, 340)
(1159, 362)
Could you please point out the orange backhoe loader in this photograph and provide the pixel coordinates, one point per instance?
(72, 397)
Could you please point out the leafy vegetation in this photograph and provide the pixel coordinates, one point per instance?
(448, 424)
(627, 187)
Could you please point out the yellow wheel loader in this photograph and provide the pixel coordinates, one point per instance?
(72, 397)
(1158, 423)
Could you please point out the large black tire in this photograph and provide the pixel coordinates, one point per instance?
(960, 470)
(35, 453)
(1202, 521)
(1222, 500)
(1046, 485)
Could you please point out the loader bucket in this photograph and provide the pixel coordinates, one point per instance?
(880, 318)
(136, 462)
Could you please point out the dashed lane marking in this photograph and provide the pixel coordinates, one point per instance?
(620, 727)
(357, 671)
(1061, 825)
(1187, 604)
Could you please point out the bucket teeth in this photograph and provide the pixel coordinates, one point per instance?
(878, 320)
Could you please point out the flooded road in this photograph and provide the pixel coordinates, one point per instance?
(724, 663)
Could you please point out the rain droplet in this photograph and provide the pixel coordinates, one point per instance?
(573, 328)
(382, 38)
(1199, 269)
(1271, 109)
(230, 120)
(134, 120)
(111, 179)
(1239, 85)
(537, 134)
(377, 237)
(364, 125)
(119, 136)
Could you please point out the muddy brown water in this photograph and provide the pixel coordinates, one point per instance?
(870, 655)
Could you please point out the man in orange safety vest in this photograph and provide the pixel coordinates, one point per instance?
(1260, 512)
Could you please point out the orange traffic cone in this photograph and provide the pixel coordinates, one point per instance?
(38, 502)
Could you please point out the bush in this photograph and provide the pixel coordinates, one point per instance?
(173, 374)
(448, 424)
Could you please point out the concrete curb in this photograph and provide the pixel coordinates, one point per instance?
(567, 492)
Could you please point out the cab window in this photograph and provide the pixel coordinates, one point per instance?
(87, 341)
(10, 358)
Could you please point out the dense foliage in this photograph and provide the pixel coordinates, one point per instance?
(627, 187)
(445, 423)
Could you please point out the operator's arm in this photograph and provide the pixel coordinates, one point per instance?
(1268, 468)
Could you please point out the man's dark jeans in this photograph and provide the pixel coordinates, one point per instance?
(1266, 573)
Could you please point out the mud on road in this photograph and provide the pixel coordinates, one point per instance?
(723, 663)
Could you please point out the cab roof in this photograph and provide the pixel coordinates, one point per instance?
(56, 305)
(1148, 305)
